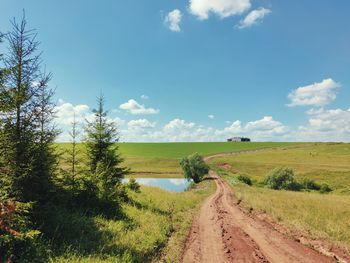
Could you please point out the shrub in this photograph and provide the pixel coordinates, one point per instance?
(325, 189)
(133, 185)
(18, 242)
(310, 184)
(194, 167)
(245, 179)
(282, 178)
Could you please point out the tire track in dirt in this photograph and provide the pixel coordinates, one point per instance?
(223, 232)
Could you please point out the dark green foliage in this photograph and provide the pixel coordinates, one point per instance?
(245, 179)
(27, 158)
(310, 185)
(17, 242)
(194, 167)
(26, 126)
(104, 161)
(73, 177)
(282, 178)
(325, 189)
(133, 185)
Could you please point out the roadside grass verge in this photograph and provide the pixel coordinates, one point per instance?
(322, 216)
(154, 225)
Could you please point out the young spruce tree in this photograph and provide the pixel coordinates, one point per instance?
(27, 134)
(72, 175)
(104, 160)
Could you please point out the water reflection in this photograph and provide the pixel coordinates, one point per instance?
(170, 184)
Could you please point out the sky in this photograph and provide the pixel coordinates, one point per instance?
(198, 70)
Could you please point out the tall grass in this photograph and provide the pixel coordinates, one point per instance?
(151, 219)
(322, 215)
(324, 163)
(325, 216)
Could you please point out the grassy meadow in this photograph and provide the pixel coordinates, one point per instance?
(155, 222)
(162, 159)
(322, 215)
(154, 226)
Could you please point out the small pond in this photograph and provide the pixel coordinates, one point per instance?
(170, 184)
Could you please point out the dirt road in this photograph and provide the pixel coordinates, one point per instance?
(223, 232)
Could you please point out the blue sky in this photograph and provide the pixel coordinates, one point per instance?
(209, 69)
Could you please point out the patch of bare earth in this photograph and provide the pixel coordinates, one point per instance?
(224, 232)
(225, 166)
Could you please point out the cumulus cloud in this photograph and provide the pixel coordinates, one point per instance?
(173, 20)
(140, 124)
(265, 124)
(253, 17)
(317, 94)
(326, 125)
(144, 97)
(222, 8)
(211, 116)
(179, 130)
(263, 129)
(65, 113)
(133, 107)
(179, 124)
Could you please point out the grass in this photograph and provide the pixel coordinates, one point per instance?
(162, 159)
(155, 224)
(322, 215)
(179, 150)
(324, 163)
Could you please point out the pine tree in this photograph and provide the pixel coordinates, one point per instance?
(104, 160)
(72, 178)
(26, 116)
(26, 136)
(46, 160)
(74, 152)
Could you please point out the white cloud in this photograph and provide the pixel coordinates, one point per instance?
(326, 125)
(253, 17)
(65, 113)
(133, 107)
(222, 8)
(118, 121)
(317, 94)
(211, 116)
(140, 124)
(144, 97)
(179, 124)
(265, 124)
(179, 130)
(65, 116)
(173, 20)
(264, 129)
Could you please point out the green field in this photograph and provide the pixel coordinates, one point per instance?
(156, 221)
(155, 225)
(162, 159)
(324, 163)
(320, 215)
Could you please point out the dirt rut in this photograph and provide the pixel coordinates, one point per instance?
(222, 232)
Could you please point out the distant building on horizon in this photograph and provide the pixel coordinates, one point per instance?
(238, 139)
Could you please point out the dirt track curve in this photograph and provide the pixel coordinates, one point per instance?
(223, 232)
